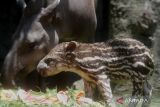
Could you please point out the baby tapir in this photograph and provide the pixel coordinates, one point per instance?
(97, 63)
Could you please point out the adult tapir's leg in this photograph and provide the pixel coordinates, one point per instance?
(10, 69)
(82, 19)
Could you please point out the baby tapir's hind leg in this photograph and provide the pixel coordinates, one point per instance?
(104, 87)
(147, 92)
(136, 93)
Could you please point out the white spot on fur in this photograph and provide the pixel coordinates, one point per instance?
(103, 76)
(138, 64)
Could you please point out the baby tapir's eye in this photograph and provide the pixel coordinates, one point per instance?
(70, 56)
(50, 61)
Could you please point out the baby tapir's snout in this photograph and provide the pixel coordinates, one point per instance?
(42, 68)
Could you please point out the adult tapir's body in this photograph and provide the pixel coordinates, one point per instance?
(98, 62)
(75, 19)
(42, 23)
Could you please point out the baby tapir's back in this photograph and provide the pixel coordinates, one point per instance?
(118, 58)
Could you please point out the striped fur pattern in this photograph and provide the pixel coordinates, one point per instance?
(97, 63)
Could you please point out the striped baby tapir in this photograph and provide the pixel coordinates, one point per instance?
(97, 63)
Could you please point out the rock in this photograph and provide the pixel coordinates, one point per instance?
(132, 18)
(156, 39)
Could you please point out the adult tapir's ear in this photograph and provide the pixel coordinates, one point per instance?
(71, 46)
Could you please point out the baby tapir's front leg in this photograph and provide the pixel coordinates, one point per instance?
(100, 91)
(104, 87)
(91, 91)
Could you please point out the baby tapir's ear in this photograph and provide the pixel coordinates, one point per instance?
(71, 46)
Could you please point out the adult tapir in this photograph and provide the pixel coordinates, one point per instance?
(43, 23)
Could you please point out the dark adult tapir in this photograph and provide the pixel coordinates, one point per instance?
(43, 24)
